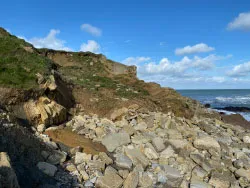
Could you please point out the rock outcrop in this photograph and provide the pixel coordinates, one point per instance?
(7, 174)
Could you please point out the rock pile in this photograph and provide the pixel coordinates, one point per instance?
(157, 150)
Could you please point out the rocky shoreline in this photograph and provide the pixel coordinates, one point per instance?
(149, 149)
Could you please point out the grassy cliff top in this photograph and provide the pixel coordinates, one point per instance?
(20, 62)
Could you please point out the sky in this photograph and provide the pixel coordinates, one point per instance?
(181, 44)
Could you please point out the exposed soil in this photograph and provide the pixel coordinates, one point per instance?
(236, 119)
(71, 139)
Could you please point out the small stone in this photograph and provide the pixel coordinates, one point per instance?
(132, 180)
(84, 174)
(158, 144)
(109, 180)
(96, 165)
(145, 180)
(142, 126)
(123, 173)
(137, 157)
(104, 157)
(246, 139)
(88, 184)
(47, 168)
(243, 173)
(123, 161)
(161, 177)
(199, 184)
(110, 169)
(151, 153)
(173, 175)
(57, 157)
(208, 143)
(112, 141)
(167, 153)
(41, 128)
(71, 168)
(82, 157)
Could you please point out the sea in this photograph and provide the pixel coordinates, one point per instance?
(222, 98)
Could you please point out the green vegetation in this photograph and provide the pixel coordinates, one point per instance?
(18, 67)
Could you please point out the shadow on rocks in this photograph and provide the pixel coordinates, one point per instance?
(24, 151)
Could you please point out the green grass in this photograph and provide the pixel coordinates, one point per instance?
(18, 68)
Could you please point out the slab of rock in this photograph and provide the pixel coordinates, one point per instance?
(96, 165)
(174, 177)
(208, 143)
(200, 160)
(151, 153)
(56, 157)
(145, 181)
(221, 179)
(243, 173)
(47, 168)
(123, 161)
(82, 157)
(109, 180)
(7, 174)
(158, 143)
(137, 157)
(199, 184)
(104, 157)
(132, 180)
(112, 141)
(167, 153)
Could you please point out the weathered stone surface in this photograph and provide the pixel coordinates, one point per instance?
(123, 161)
(151, 153)
(246, 139)
(118, 113)
(7, 174)
(112, 141)
(137, 157)
(243, 173)
(158, 144)
(145, 181)
(132, 180)
(57, 157)
(96, 165)
(220, 180)
(104, 157)
(208, 143)
(199, 184)
(82, 157)
(167, 153)
(174, 177)
(47, 168)
(109, 180)
(200, 160)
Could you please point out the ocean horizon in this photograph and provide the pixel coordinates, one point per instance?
(221, 98)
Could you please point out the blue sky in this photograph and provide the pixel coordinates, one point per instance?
(181, 44)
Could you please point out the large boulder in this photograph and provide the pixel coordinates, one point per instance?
(42, 111)
(208, 143)
(112, 141)
(47, 168)
(109, 180)
(7, 174)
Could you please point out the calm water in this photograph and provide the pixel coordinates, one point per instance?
(221, 98)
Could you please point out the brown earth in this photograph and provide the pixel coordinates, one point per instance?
(71, 139)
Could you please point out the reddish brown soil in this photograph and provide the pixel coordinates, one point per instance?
(71, 139)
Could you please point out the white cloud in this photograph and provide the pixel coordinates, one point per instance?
(218, 79)
(179, 68)
(50, 41)
(240, 70)
(241, 22)
(135, 60)
(91, 29)
(198, 48)
(91, 46)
